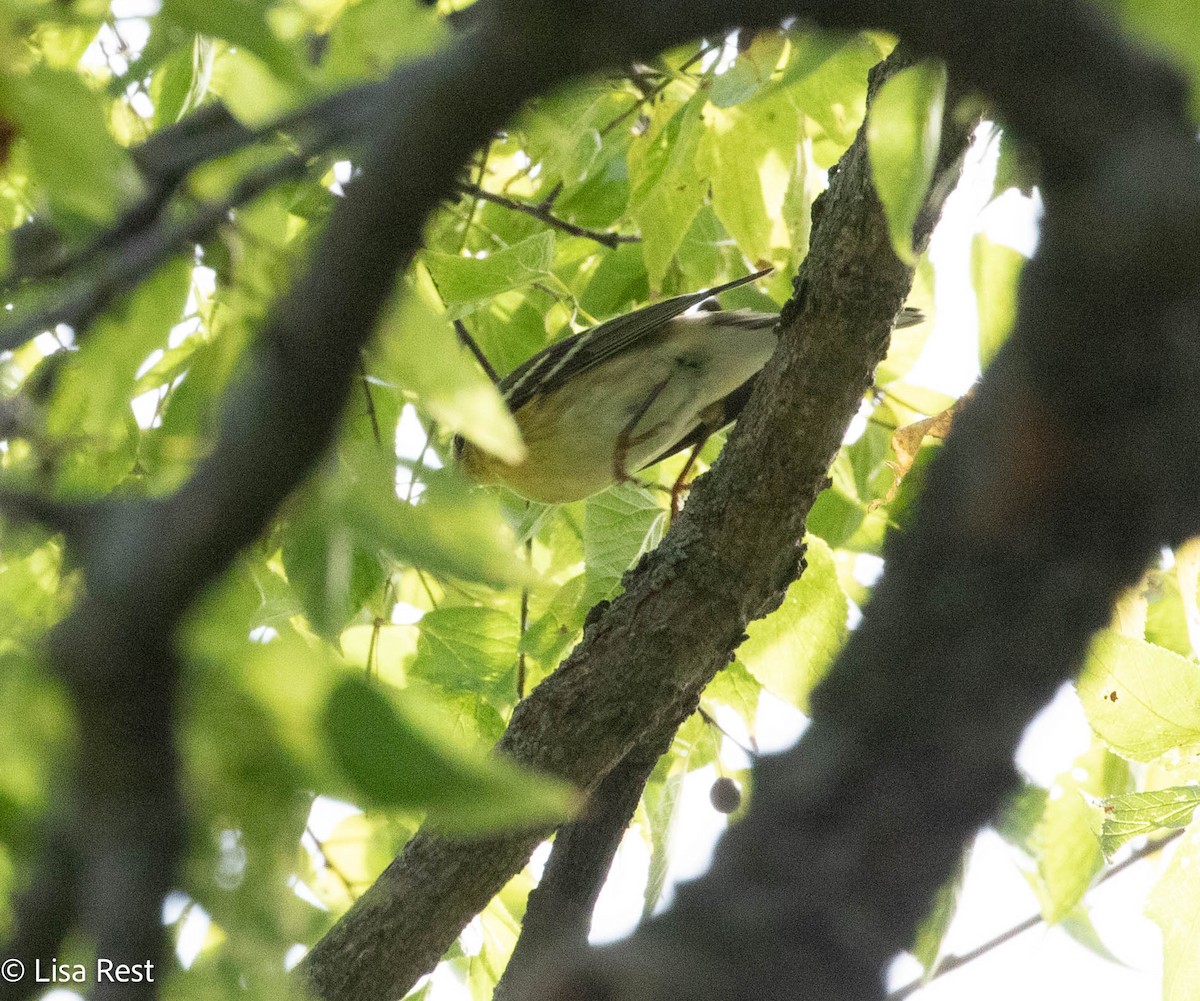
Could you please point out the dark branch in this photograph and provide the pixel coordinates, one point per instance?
(559, 913)
(542, 212)
(140, 253)
(642, 664)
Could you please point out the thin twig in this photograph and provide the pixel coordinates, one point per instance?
(542, 213)
(464, 336)
(951, 963)
(651, 94)
(168, 156)
(524, 625)
(751, 752)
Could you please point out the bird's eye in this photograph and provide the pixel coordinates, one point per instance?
(458, 446)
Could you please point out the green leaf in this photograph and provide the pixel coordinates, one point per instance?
(808, 52)
(548, 636)
(1172, 906)
(1078, 924)
(330, 572)
(749, 155)
(397, 759)
(1014, 169)
(995, 270)
(94, 387)
(73, 155)
(790, 650)
(1064, 841)
(931, 932)
(904, 132)
(242, 23)
(181, 81)
(468, 650)
(667, 189)
(831, 87)
(618, 285)
(466, 283)
(661, 800)
(1171, 28)
(751, 70)
(1142, 700)
(1019, 818)
(419, 352)
(618, 526)
(370, 38)
(451, 530)
(1142, 814)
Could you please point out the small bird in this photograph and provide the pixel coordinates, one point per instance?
(628, 393)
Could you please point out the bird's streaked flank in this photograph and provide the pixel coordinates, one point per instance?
(627, 393)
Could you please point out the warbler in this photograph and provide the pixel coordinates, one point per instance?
(628, 393)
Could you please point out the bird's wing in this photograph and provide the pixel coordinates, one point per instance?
(555, 365)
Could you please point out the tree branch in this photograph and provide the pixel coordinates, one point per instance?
(143, 238)
(725, 561)
(559, 912)
(542, 212)
(1077, 461)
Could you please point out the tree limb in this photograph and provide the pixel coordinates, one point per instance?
(725, 561)
(542, 213)
(1077, 461)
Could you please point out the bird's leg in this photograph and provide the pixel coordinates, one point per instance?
(681, 484)
(625, 438)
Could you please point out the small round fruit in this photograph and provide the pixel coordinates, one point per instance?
(725, 795)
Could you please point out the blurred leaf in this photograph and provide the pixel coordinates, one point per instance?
(419, 352)
(749, 156)
(331, 573)
(1171, 28)
(790, 650)
(450, 530)
(751, 70)
(1187, 575)
(1172, 906)
(667, 188)
(1166, 620)
(396, 759)
(830, 87)
(904, 131)
(1015, 168)
(371, 38)
(995, 270)
(181, 81)
(95, 386)
(244, 24)
(931, 932)
(1019, 818)
(1142, 700)
(1064, 842)
(72, 153)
